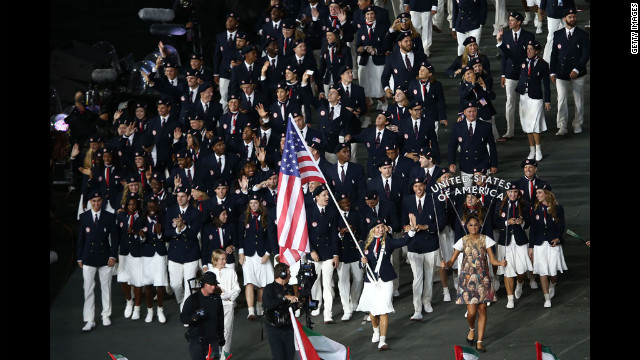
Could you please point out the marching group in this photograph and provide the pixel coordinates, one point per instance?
(190, 186)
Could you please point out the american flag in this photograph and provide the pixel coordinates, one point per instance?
(296, 168)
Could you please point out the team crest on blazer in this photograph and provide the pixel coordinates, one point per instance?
(395, 71)
(247, 226)
(406, 136)
(221, 48)
(224, 126)
(211, 172)
(210, 237)
(87, 229)
(362, 37)
(415, 92)
(459, 138)
(144, 229)
(275, 114)
(508, 47)
(366, 252)
(121, 224)
(537, 217)
(524, 66)
(182, 98)
(153, 132)
(237, 191)
(99, 178)
(559, 46)
(503, 214)
(264, 203)
(322, 113)
(314, 224)
(367, 219)
(368, 145)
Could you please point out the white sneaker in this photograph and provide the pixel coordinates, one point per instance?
(577, 129)
(527, 18)
(510, 304)
(561, 132)
(533, 284)
(376, 337)
(396, 293)
(161, 316)
(259, 310)
(417, 316)
(552, 290)
(106, 321)
(149, 317)
(382, 345)
(128, 310)
(539, 30)
(547, 303)
(297, 313)
(136, 313)
(447, 296)
(532, 152)
(495, 284)
(518, 292)
(89, 325)
(315, 312)
(427, 308)
(465, 313)
(346, 317)
(538, 155)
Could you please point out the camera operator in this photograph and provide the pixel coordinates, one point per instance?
(276, 299)
(204, 314)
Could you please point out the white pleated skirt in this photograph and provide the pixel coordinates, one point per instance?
(446, 245)
(155, 270)
(547, 260)
(377, 298)
(370, 78)
(532, 115)
(255, 273)
(121, 270)
(517, 256)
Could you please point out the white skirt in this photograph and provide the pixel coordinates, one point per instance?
(154, 270)
(532, 115)
(370, 78)
(135, 271)
(446, 245)
(255, 273)
(547, 260)
(377, 298)
(122, 274)
(517, 256)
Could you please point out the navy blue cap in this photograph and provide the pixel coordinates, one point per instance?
(158, 176)
(542, 186)
(570, 11)
(528, 162)
(233, 15)
(292, 68)
(288, 23)
(197, 185)
(163, 102)
(384, 162)
(248, 81)
(338, 88)
(386, 114)
(248, 49)
(414, 104)
(183, 188)
(344, 69)
(402, 35)
(169, 64)
(282, 85)
(342, 195)
(220, 182)
(371, 195)
(536, 45)
(469, 104)
(516, 15)
(469, 40)
(191, 72)
(393, 146)
(196, 56)
(94, 194)
(404, 15)
(340, 147)
(95, 138)
(513, 186)
(428, 65)
(417, 180)
(319, 189)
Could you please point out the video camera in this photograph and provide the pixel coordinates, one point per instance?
(307, 276)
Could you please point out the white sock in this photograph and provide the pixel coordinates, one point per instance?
(510, 297)
(252, 311)
(376, 330)
(538, 147)
(546, 297)
(382, 339)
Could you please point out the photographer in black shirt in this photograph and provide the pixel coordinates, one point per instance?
(276, 299)
(204, 314)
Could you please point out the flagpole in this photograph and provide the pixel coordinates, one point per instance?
(370, 272)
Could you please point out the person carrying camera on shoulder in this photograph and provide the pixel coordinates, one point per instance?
(276, 299)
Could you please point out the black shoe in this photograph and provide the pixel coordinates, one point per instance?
(470, 341)
(482, 349)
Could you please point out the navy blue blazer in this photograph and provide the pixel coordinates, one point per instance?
(313, 29)
(224, 126)
(323, 231)
(386, 272)
(540, 231)
(163, 138)
(386, 210)
(399, 188)
(277, 122)
(382, 18)
(375, 154)
(419, 171)
(211, 240)
(425, 240)
(258, 97)
(210, 116)
(404, 166)
(525, 188)
(183, 247)
(274, 75)
(433, 102)
(513, 54)
(377, 41)
(354, 182)
(395, 65)
(253, 238)
(97, 243)
(457, 64)
(223, 53)
(153, 243)
(328, 69)
(346, 246)
(399, 113)
(473, 150)
(240, 72)
(533, 83)
(420, 5)
(554, 10)
(567, 55)
(509, 210)
(482, 98)
(129, 243)
(426, 137)
(110, 192)
(356, 100)
(468, 15)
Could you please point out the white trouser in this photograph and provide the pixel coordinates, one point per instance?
(354, 60)
(179, 275)
(510, 106)
(350, 290)
(462, 36)
(224, 93)
(398, 7)
(324, 286)
(330, 156)
(423, 21)
(494, 130)
(228, 324)
(422, 266)
(501, 15)
(577, 87)
(438, 18)
(552, 25)
(105, 274)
